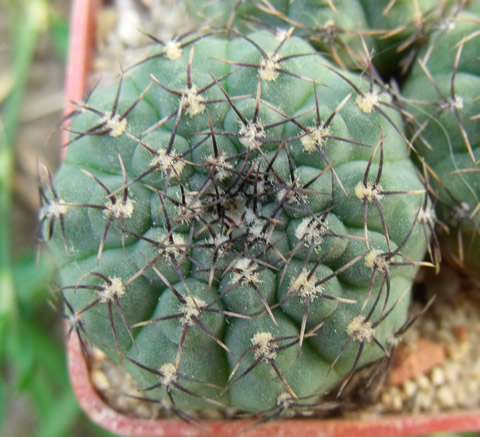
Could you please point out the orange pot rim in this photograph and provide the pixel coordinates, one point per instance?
(392, 425)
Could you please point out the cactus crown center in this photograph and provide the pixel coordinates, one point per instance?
(220, 166)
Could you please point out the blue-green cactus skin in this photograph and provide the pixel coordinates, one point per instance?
(237, 222)
(442, 98)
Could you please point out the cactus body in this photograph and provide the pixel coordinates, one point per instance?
(348, 32)
(335, 30)
(237, 222)
(442, 94)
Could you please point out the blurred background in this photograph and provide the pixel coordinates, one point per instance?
(36, 399)
(35, 395)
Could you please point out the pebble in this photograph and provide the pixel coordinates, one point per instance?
(437, 376)
(445, 397)
(453, 383)
(99, 380)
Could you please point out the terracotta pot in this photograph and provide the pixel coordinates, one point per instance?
(397, 425)
(81, 45)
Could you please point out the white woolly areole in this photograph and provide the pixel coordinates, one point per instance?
(375, 260)
(291, 196)
(189, 210)
(284, 400)
(306, 287)
(190, 309)
(371, 192)
(317, 137)
(55, 209)
(176, 248)
(461, 211)
(426, 216)
(250, 216)
(367, 102)
(255, 230)
(281, 34)
(192, 101)
(255, 225)
(169, 374)
(222, 168)
(251, 135)
(164, 162)
(447, 25)
(173, 50)
(116, 125)
(394, 341)
(361, 329)
(264, 348)
(268, 68)
(220, 242)
(244, 272)
(311, 231)
(119, 208)
(234, 209)
(116, 289)
(457, 103)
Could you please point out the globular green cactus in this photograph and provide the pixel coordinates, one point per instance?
(443, 103)
(390, 30)
(334, 27)
(237, 222)
(403, 27)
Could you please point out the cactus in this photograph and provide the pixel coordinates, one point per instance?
(443, 106)
(391, 30)
(237, 222)
(403, 27)
(332, 28)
